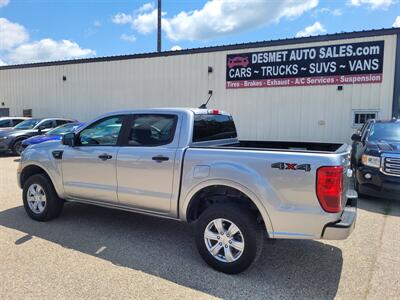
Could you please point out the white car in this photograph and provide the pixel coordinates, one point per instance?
(9, 122)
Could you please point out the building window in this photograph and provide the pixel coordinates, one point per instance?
(360, 117)
(4, 112)
(27, 113)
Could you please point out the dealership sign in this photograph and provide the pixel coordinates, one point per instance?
(335, 64)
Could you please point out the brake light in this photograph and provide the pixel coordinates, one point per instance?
(330, 188)
(214, 112)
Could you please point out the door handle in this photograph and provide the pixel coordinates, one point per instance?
(160, 158)
(105, 156)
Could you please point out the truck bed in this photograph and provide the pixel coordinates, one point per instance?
(288, 194)
(292, 146)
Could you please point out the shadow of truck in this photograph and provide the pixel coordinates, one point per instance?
(164, 248)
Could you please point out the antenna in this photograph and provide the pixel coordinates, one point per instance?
(204, 105)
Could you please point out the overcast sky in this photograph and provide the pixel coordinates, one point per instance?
(44, 30)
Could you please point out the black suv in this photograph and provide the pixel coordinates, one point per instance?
(11, 139)
(375, 158)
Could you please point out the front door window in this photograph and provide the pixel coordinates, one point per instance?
(102, 133)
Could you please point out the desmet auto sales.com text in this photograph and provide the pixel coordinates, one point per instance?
(311, 53)
(291, 68)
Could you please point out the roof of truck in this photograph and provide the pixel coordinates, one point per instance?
(196, 111)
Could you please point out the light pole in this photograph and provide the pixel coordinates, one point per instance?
(159, 26)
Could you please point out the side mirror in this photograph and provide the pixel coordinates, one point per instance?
(69, 139)
(41, 128)
(356, 137)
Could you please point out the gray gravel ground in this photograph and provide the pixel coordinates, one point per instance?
(92, 252)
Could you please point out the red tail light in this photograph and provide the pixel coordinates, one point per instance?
(330, 188)
(214, 112)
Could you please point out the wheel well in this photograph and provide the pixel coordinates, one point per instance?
(30, 171)
(20, 138)
(219, 194)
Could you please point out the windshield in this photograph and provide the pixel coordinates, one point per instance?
(63, 129)
(28, 124)
(385, 131)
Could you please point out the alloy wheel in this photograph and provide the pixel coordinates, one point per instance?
(36, 198)
(224, 240)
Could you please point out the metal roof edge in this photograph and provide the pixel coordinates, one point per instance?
(258, 44)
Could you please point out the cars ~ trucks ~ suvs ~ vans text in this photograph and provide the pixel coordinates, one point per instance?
(189, 165)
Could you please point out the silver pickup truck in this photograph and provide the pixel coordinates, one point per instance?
(188, 165)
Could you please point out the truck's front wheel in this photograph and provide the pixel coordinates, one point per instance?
(228, 237)
(41, 201)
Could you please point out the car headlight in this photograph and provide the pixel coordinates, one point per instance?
(371, 161)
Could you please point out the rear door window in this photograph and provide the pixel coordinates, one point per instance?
(47, 124)
(17, 121)
(62, 122)
(151, 130)
(213, 127)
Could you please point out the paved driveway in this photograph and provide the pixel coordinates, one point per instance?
(92, 252)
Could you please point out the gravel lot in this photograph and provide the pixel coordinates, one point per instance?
(92, 252)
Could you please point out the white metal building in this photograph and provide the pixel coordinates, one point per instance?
(304, 89)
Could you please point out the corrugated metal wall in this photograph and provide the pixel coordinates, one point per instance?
(284, 113)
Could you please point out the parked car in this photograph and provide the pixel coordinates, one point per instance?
(11, 139)
(9, 122)
(376, 159)
(55, 134)
(188, 165)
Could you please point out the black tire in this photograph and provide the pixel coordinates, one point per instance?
(53, 205)
(17, 147)
(246, 221)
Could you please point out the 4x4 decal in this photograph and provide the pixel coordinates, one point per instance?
(291, 166)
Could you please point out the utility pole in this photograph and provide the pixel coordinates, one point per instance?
(159, 26)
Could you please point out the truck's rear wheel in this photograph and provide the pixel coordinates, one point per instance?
(41, 201)
(228, 237)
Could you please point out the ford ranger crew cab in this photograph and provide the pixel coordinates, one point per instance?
(189, 165)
